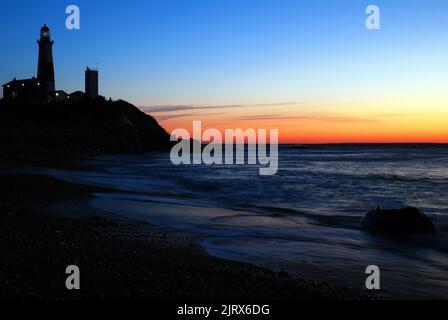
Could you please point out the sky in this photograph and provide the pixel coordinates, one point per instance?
(308, 68)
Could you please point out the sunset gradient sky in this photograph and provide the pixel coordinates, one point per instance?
(309, 68)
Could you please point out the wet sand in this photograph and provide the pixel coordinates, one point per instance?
(47, 224)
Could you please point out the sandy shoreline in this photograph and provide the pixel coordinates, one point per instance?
(47, 224)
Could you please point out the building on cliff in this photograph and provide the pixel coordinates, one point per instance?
(43, 88)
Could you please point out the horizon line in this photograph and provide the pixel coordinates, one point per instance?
(339, 143)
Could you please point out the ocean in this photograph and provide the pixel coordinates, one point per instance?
(305, 220)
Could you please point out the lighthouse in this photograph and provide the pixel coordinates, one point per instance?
(42, 90)
(45, 67)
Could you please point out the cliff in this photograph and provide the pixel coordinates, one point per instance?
(59, 130)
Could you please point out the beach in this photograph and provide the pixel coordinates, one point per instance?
(47, 224)
(304, 222)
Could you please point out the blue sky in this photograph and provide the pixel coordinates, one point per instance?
(304, 64)
(214, 51)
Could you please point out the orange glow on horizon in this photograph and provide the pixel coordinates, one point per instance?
(407, 123)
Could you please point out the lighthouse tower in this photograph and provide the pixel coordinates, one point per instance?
(45, 68)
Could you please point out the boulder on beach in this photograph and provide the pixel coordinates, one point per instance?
(407, 220)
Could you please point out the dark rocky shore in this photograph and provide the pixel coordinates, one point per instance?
(118, 258)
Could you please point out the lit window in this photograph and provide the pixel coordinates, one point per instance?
(57, 94)
(68, 97)
(7, 86)
(23, 84)
(38, 83)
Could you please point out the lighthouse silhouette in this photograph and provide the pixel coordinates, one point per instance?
(42, 90)
(45, 67)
